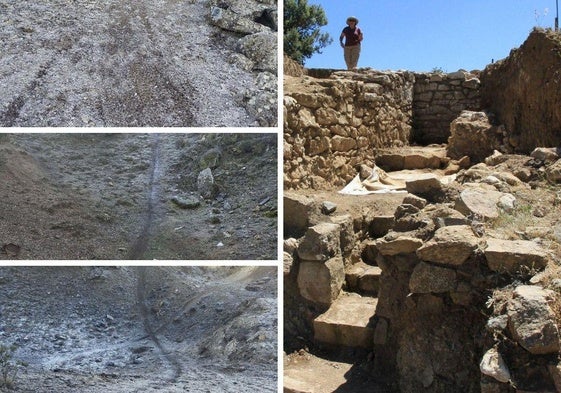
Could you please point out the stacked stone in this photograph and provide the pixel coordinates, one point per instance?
(438, 99)
(333, 124)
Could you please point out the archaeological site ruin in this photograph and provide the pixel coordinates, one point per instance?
(422, 227)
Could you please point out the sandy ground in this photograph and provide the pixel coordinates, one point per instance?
(109, 196)
(119, 63)
(127, 329)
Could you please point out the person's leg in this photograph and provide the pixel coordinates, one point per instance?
(355, 54)
(348, 57)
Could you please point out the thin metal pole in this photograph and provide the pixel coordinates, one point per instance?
(556, 15)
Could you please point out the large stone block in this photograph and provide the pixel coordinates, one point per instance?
(347, 323)
(450, 245)
(321, 242)
(297, 211)
(321, 282)
(512, 255)
(473, 135)
(432, 279)
(398, 245)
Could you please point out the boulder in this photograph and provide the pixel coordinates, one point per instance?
(450, 245)
(321, 282)
(531, 320)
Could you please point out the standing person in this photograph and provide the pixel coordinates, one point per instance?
(353, 37)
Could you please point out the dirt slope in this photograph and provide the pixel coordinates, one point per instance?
(109, 196)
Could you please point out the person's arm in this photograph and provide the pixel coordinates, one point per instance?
(360, 37)
(341, 39)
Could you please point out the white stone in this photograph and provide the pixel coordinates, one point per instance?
(494, 366)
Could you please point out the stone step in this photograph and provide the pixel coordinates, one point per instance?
(348, 322)
(363, 278)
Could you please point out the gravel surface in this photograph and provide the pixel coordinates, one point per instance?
(127, 329)
(122, 63)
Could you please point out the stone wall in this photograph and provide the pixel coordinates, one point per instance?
(438, 99)
(335, 120)
(333, 124)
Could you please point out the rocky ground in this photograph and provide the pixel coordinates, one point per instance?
(136, 196)
(85, 63)
(125, 329)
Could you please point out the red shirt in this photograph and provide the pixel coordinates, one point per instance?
(352, 36)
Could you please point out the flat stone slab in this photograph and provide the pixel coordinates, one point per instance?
(510, 255)
(479, 202)
(411, 158)
(347, 322)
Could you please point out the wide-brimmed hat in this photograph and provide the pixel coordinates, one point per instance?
(352, 19)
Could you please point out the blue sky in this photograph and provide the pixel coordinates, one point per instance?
(422, 35)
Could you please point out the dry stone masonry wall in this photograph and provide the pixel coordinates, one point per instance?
(334, 120)
(438, 99)
(332, 124)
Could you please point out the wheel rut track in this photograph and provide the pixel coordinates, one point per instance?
(140, 245)
(141, 300)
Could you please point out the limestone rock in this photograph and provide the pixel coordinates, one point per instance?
(347, 322)
(363, 278)
(472, 135)
(546, 153)
(423, 185)
(398, 245)
(205, 184)
(553, 172)
(432, 279)
(321, 282)
(510, 255)
(188, 202)
(230, 20)
(320, 243)
(261, 48)
(348, 237)
(414, 200)
(531, 320)
(328, 207)
(450, 245)
(494, 366)
(479, 202)
(297, 211)
(288, 262)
